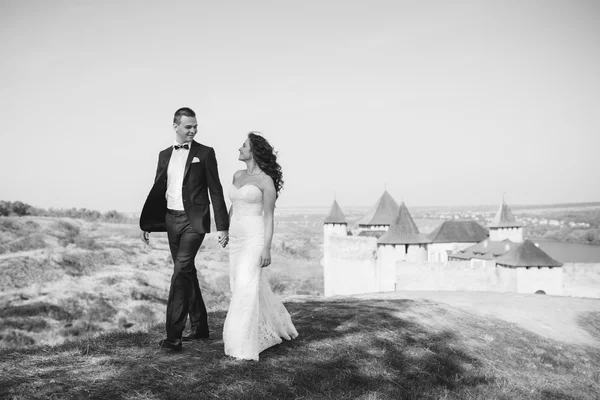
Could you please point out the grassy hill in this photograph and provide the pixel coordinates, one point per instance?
(63, 278)
(347, 349)
(82, 305)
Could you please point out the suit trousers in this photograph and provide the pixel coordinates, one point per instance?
(185, 295)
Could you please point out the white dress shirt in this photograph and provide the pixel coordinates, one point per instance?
(175, 177)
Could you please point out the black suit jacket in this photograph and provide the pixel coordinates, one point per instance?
(198, 179)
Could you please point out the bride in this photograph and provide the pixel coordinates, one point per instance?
(256, 319)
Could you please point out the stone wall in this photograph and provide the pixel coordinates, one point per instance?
(577, 280)
(581, 280)
(350, 265)
(455, 276)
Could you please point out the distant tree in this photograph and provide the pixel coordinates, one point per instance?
(20, 208)
(5, 208)
(91, 215)
(38, 212)
(592, 236)
(113, 216)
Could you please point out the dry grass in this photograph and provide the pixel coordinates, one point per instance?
(347, 349)
(88, 268)
(97, 287)
(591, 323)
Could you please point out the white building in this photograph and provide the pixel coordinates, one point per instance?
(401, 258)
(453, 236)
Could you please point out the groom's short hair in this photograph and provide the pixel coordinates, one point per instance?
(188, 112)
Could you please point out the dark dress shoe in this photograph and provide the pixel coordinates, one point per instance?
(194, 336)
(167, 344)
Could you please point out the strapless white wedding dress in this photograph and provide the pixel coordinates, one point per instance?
(256, 319)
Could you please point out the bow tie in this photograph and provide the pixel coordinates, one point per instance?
(181, 146)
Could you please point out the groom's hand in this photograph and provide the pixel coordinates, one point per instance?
(146, 237)
(223, 238)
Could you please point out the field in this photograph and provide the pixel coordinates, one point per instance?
(349, 348)
(82, 305)
(63, 278)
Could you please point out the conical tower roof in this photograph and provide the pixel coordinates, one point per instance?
(336, 216)
(383, 213)
(458, 231)
(527, 254)
(504, 218)
(403, 230)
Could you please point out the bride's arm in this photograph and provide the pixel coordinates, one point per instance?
(269, 196)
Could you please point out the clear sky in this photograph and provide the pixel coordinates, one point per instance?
(446, 103)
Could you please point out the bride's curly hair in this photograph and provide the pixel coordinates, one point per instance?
(266, 158)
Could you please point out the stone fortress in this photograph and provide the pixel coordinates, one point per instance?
(386, 252)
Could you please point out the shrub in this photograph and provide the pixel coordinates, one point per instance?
(16, 339)
(77, 263)
(22, 271)
(10, 225)
(74, 264)
(18, 208)
(68, 232)
(114, 216)
(39, 309)
(80, 328)
(25, 324)
(30, 242)
(98, 310)
(111, 280)
(21, 208)
(87, 243)
(143, 315)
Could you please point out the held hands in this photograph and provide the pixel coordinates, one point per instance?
(265, 258)
(223, 238)
(146, 237)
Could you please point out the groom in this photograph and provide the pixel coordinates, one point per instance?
(178, 204)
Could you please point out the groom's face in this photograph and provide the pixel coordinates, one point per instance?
(186, 129)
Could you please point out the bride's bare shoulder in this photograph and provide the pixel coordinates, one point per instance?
(266, 181)
(237, 175)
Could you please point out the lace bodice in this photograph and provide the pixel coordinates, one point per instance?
(246, 201)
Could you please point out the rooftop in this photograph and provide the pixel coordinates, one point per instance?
(527, 254)
(504, 218)
(457, 232)
(403, 230)
(336, 216)
(383, 213)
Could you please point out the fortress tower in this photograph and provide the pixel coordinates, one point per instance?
(402, 242)
(505, 226)
(380, 217)
(335, 224)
